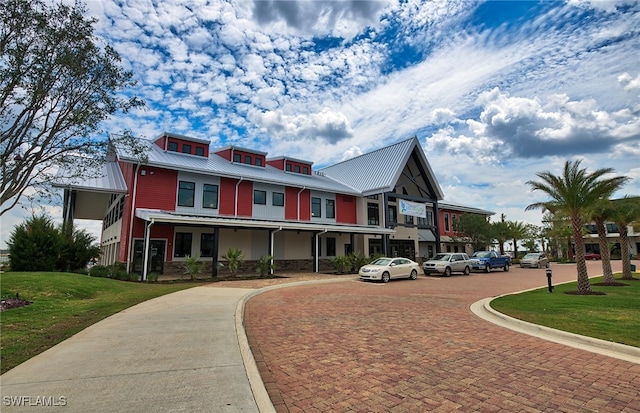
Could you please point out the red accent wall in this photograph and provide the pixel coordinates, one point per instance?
(278, 163)
(291, 204)
(163, 143)
(225, 153)
(228, 196)
(346, 209)
(157, 189)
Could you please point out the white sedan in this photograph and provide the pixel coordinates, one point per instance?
(384, 269)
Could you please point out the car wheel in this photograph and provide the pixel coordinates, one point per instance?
(521, 266)
(386, 277)
(413, 275)
(447, 272)
(538, 266)
(467, 270)
(487, 268)
(506, 267)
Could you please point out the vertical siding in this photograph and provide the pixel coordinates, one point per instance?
(346, 209)
(291, 203)
(226, 154)
(128, 171)
(245, 198)
(157, 189)
(227, 196)
(278, 163)
(305, 205)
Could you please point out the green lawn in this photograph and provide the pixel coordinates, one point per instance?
(612, 317)
(63, 304)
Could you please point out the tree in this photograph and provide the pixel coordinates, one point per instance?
(58, 85)
(626, 212)
(500, 230)
(77, 248)
(34, 245)
(517, 231)
(476, 228)
(193, 266)
(601, 212)
(574, 192)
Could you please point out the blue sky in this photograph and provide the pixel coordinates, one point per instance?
(495, 91)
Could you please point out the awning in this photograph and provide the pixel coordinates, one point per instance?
(175, 218)
(426, 235)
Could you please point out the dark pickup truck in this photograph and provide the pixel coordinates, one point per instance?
(488, 260)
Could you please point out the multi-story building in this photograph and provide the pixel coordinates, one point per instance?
(185, 200)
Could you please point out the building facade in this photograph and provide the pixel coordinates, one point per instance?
(184, 200)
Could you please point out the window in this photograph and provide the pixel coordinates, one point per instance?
(316, 207)
(446, 222)
(258, 161)
(199, 151)
(591, 228)
(453, 222)
(210, 196)
(372, 196)
(393, 214)
(186, 193)
(237, 157)
(331, 208)
(186, 148)
(277, 199)
(173, 146)
(182, 245)
(373, 215)
(296, 169)
(331, 247)
(408, 219)
(260, 197)
(612, 228)
(305, 170)
(247, 159)
(288, 167)
(206, 245)
(429, 218)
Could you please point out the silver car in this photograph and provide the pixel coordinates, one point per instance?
(384, 269)
(534, 260)
(447, 263)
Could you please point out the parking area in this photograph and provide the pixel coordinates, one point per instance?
(415, 346)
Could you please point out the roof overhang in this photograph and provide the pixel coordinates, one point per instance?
(167, 217)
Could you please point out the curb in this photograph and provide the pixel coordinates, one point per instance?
(624, 352)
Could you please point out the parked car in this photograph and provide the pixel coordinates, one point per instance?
(534, 260)
(448, 263)
(488, 260)
(384, 269)
(592, 256)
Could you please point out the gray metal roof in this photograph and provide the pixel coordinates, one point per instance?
(218, 166)
(109, 179)
(462, 208)
(380, 170)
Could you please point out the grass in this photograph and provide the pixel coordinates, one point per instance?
(612, 317)
(63, 305)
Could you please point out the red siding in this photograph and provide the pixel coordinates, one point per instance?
(278, 163)
(227, 196)
(128, 171)
(346, 209)
(245, 199)
(305, 205)
(225, 153)
(291, 203)
(163, 142)
(157, 188)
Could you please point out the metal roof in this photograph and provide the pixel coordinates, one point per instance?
(216, 165)
(110, 179)
(185, 219)
(380, 170)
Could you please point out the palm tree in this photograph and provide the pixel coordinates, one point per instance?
(517, 231)
(501, 232)
(602, 212)
(574, 192)
(627, 212)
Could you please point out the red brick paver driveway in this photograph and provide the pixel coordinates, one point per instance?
(414, 346)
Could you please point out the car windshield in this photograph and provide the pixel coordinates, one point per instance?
(381, 261)
(531, 256)
(441, 257)
(482, 254)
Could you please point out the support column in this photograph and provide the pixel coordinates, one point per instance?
(214, 252)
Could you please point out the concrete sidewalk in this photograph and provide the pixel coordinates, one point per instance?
(174, 353)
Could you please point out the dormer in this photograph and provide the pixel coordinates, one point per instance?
(244, 156)
(287, 164)
(172, 142)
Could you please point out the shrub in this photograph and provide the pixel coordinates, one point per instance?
(193, 266)
(341, 264)
(34, 245)
(234, 258)
(101, 271)
(264, 265)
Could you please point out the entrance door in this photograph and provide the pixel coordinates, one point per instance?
(157, 248)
